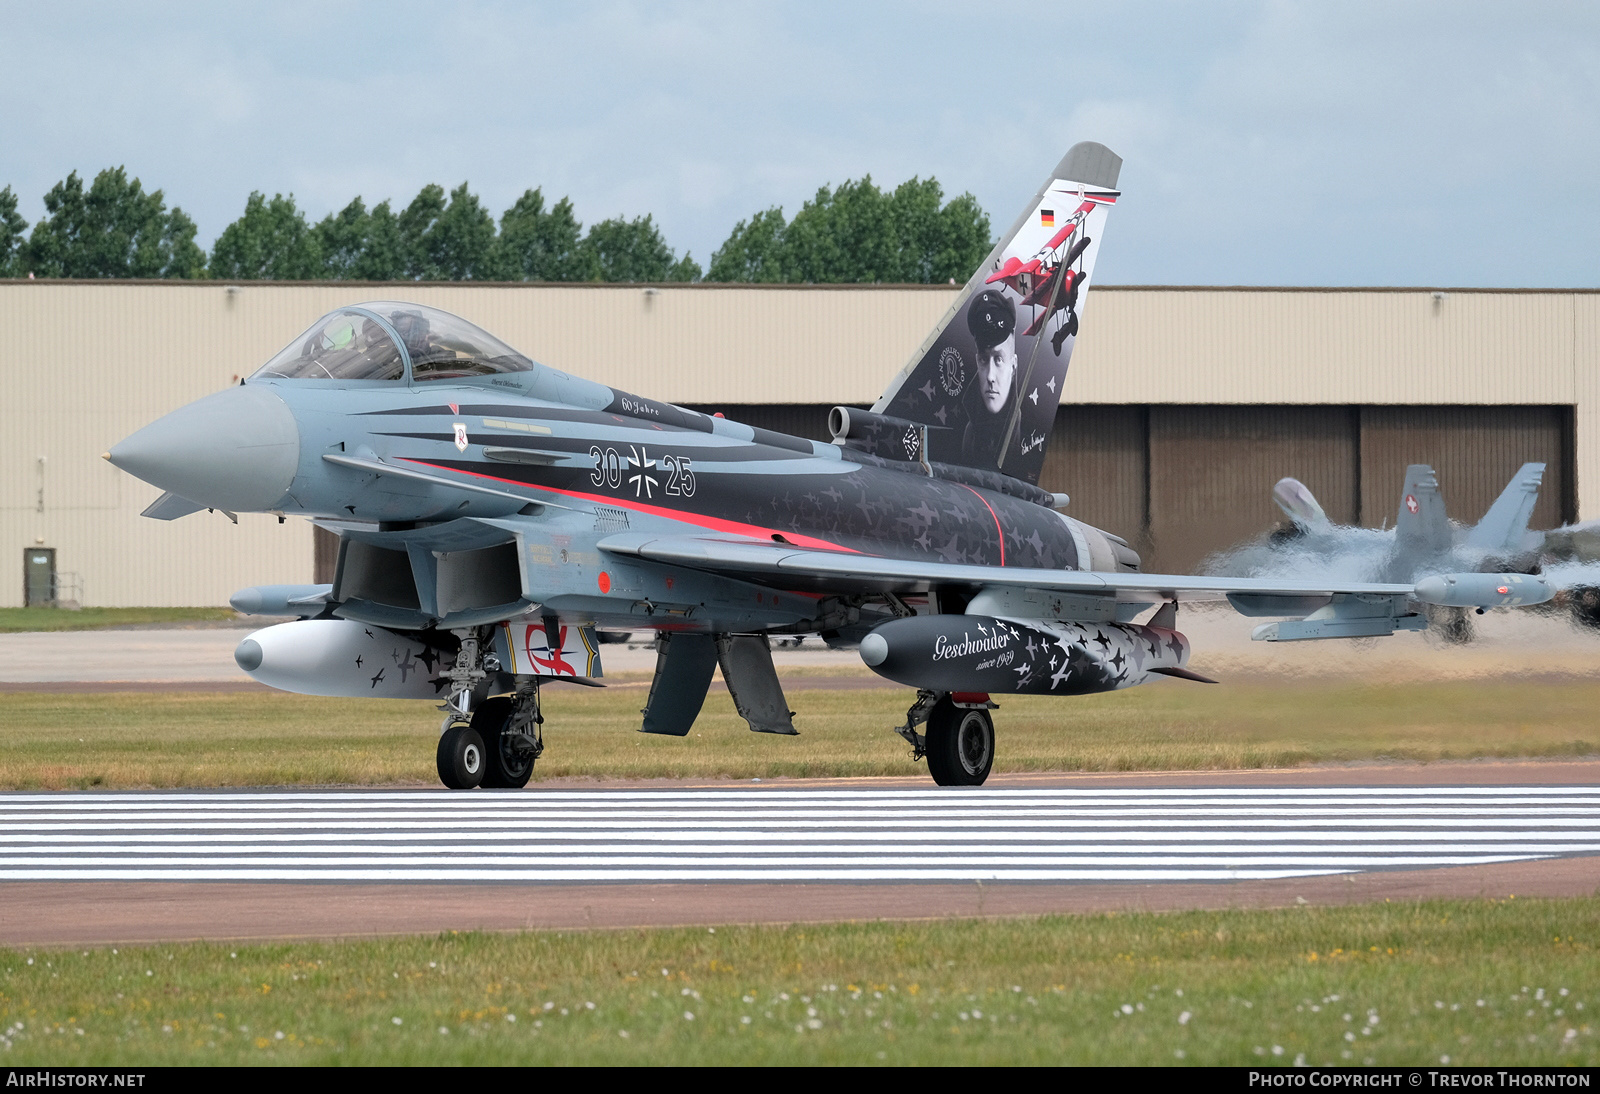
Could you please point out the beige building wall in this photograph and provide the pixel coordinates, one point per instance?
(1586, 400)
(83, 364)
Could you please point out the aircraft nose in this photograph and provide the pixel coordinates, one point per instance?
(235, 450)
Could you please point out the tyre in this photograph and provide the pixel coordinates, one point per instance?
(461, 757)
(1452, 625)
(960, 744)
(507, 764)
(1584, 603)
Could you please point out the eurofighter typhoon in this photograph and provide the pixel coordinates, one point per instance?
(494, 513)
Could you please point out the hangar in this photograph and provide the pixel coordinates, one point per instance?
(1184, 404)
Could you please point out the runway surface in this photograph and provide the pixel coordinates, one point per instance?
(110, 868)
(1144, 834)
(201, 659)
(1511, 644)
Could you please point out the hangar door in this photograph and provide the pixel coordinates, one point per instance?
(1182, 482)
(1476, 450)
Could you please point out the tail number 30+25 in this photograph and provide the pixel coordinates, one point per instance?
(609, 467)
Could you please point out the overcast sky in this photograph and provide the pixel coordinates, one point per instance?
(1265, 143)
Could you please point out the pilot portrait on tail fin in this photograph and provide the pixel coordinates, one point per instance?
(988, 381)
(992, 319)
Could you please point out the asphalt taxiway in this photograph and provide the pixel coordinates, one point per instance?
(123, 867)
(575, 853)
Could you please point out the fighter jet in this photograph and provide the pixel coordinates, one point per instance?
(1422, 541)
(1425, 541)
(494, 513)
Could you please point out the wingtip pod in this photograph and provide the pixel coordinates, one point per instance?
(1484, 590)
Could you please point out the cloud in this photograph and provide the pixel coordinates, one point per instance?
(1358, 143)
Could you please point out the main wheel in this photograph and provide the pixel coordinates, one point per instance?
(461, 757)
(960, 744)
(507, 763)
(1584, 603)
(1452, 625)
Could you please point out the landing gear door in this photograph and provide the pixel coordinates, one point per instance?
(548, 647)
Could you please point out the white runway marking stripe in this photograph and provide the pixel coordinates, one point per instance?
(1188, 810)
(766, 834)
(430, 843)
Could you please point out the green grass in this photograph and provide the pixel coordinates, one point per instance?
(13, 620)
(199, 739)
(1479, 982)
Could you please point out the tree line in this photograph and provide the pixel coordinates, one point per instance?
(852, 233)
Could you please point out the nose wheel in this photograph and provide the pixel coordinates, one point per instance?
(497, 748)
(461, 757)
(508, 754)
(960, 744)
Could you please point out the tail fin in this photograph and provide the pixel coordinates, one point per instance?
(1421, 528)
(1506, 523)
(988, 379)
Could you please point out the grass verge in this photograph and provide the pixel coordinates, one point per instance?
(197, 739)
(1467, 982)
(13, 620)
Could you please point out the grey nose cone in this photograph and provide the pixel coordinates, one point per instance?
(247, 601)
(874, 650)
(248, 655)
(236, 450)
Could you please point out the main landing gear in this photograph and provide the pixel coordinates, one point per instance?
(497, 748)
(959, 744)
(495, 744)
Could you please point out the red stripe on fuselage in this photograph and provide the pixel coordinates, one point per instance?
(1001, 532)
(716, 524)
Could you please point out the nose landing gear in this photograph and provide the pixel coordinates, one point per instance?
(461, 756)
(497, 745)
(512, 742)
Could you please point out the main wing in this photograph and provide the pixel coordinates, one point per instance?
(835, 572)
(1321, 609)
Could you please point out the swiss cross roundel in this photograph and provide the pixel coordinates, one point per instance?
(1411, 503)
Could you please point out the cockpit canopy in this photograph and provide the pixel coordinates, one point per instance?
(393, 341)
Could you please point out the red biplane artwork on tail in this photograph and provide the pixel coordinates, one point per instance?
(1051, 279)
